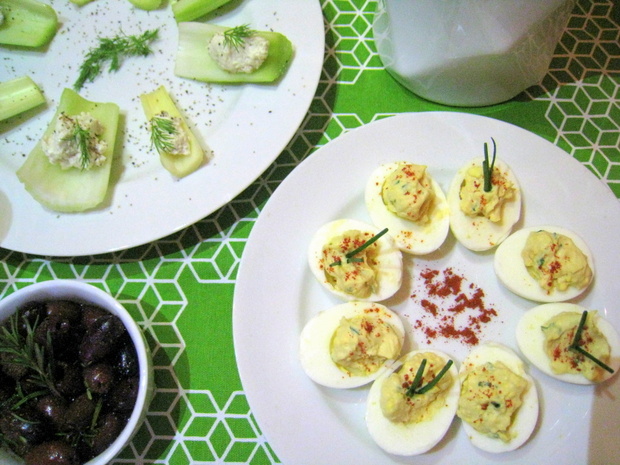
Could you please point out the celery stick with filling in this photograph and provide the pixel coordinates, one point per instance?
(169, 131)
(27, 23)
(193, 60)
(73, 189)
(19, 95)
(189, 10)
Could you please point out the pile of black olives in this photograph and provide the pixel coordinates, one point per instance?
(78, 400)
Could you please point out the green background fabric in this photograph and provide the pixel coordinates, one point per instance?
(180, 288)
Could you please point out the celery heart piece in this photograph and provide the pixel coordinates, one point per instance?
(154, 104)
(147, 5)
(189, 10)
(194, 62)
(27, 23)
(19, 95)
(71, 190)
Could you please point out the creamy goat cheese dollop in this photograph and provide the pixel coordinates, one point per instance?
(245, 57)
(176, 137)
(64, 146)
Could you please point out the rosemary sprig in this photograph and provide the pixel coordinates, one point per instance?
(487, 170)
(350, 255)
(235, 37)
(415, 385)
(577, 348)
(26, 352)
(113, 50)
(163, 132)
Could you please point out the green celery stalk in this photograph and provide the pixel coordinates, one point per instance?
(19, 95)
(153, 104)
(27, 23)
(147, 5)
(80, 2)
(71, 190)
(194, 62)
(189, 10)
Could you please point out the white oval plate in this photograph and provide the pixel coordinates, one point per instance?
(276, 294)
(245, 126)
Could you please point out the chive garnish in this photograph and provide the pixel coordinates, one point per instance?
(577, 348)
(413, 389)
(487, 170)
(349, 255)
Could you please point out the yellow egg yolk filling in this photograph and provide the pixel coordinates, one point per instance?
(399, 407)
(362, 344)
(356, 276)
(555, 262)
(490, 396)
(559, 334)
(408, 193)
(475, 201)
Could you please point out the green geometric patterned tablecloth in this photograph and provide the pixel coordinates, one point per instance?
(180, 288)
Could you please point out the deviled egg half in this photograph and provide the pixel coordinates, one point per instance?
(544, 264)
(356, 261)
(481, 219)
(547, 337)
(350, 344)
(404, 198)
(411, 406)
(498, 402)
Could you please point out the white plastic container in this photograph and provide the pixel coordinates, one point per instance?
(469, 52)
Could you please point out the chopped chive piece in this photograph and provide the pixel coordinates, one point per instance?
(413, 389)
(436, 379)
(487, 170)
(417, 380)
(362, 247)
(577, 348)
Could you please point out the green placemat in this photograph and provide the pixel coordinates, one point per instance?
(180, 288)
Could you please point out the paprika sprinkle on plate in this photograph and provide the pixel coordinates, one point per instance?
(450, 308)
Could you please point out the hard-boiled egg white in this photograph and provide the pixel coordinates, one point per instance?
(480, 233)
(531, 339)
(513, 274)
(316, 339)
(388, 267)
(411, 438)
(525, 417)
(411, 237)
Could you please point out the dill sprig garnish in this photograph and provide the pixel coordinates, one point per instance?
(415, 388)
(350, 255)
(487, 170)
(163, 132)
(82, 138)
(575, 345)
(24, 351)
(113, 50)
(235, 37)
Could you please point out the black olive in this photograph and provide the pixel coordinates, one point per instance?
(99, 378)
(90, 314)
(123, 396)
(10, 368)
(107, 431)
(29, 314)
(52, 453)
(22, 428)
(80, 412)
(102, 339)
(68, 378)
(64, 310)
(53, 409)
(127, 360)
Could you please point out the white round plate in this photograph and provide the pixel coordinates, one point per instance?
(276, 294)
(244, 126)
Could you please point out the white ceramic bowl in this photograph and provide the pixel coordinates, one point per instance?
(83, 292)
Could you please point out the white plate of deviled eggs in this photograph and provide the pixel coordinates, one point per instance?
(283, 302)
